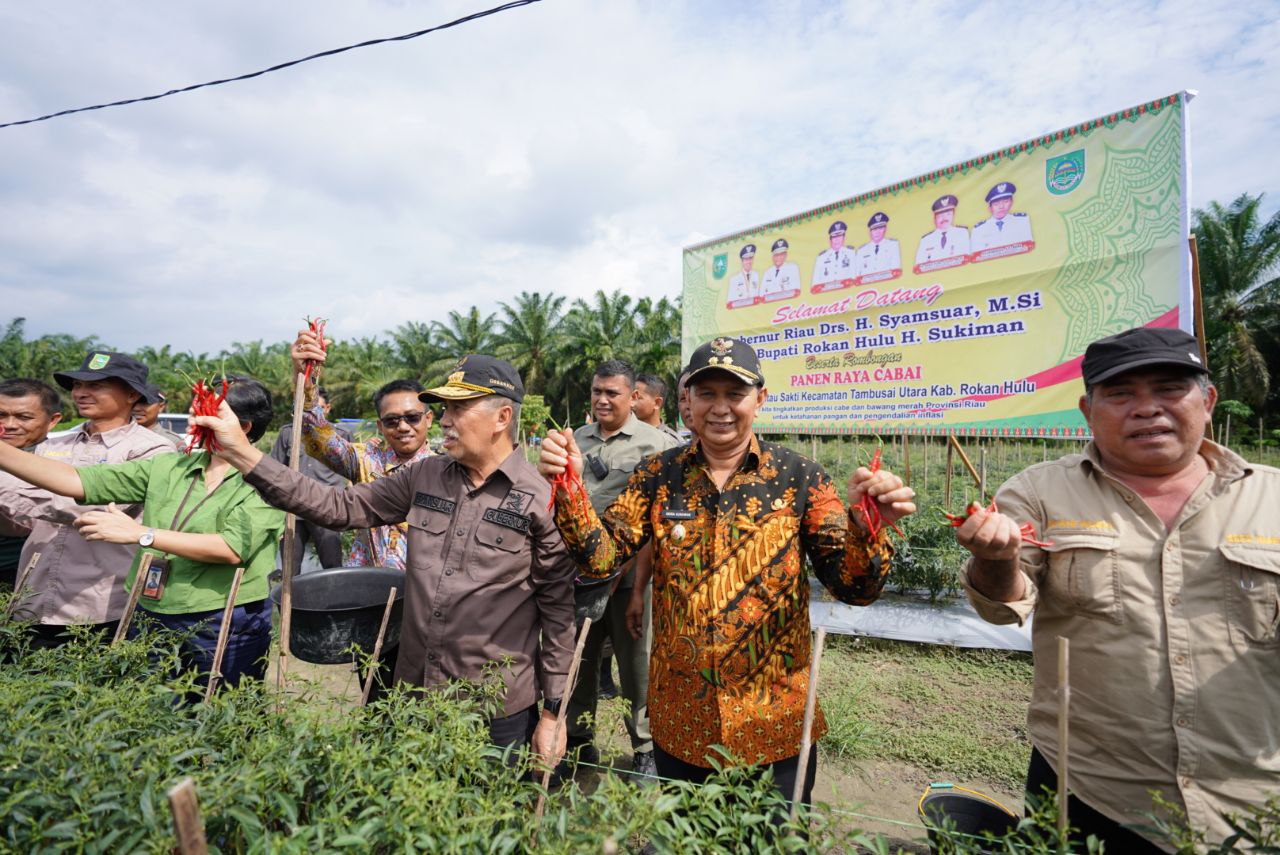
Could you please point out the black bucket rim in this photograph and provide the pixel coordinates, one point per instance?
(340, 571)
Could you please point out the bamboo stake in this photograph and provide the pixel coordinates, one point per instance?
(188, 827)
(1064, 702)
(290, 539)
(906, 459)
(569, 685)
(377, 647)
(224, 633)
(950, 466)
(135, 592)
(19, 584)
(964, 458)
(810, 708)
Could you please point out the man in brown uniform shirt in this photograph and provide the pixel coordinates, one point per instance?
(488, 576)
(1162, 566)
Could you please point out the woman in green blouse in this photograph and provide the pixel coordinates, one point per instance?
(200, 521)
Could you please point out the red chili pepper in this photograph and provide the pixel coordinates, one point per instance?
(317, 327)
(870, 508)
(1026, 530)
(205, 402)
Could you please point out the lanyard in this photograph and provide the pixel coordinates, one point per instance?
(178, 526)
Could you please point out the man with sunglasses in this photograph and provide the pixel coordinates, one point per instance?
(490, 580)
(403, 421)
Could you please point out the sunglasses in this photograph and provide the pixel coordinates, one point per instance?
(393, 422)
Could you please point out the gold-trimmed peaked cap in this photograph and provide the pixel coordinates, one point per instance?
(727, 354)
(475, 376)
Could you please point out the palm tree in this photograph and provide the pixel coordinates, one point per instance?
(1240, 280)
(416, 348)
(463, 334)
(530, 337)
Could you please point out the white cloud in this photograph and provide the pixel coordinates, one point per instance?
(568, 146)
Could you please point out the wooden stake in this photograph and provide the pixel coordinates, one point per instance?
(927, 443)
(906, 459)
(964, 458)
(19, 584)
(134, 593)
(950, 466)
(188, 827)
(810, 709)
(569, 684)
(1064, 703)
(982, 473)
(377, 646)
(224, 633)
(290, 551)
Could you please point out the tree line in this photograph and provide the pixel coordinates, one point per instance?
(556, 344)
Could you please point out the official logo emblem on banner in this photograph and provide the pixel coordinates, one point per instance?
(99, 361)
(720, 266)
(1064, 173)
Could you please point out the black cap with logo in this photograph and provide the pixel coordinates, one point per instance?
(103, 365)
(1140, 348)
(475, 376)
(727, 354)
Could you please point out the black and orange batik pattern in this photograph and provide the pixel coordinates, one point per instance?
(731, 646)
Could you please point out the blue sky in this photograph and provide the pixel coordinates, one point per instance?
(567, 146)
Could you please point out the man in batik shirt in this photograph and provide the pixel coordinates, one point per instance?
(731, 519)
(403, 421)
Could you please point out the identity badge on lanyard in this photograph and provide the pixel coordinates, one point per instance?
(158, 573)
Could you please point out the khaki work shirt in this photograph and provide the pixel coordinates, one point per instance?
(619, 454)
(1175, 656)
(488, 576)
(76, 580)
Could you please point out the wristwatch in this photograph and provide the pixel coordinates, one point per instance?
(147, 538)
(551, 705)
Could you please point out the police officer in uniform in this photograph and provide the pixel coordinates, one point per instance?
(947, 240)
(880, 253)
(746, 284)
(1004, 227)
(835, 265)
(784, 276)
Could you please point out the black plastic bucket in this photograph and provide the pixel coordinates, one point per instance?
(336, 608)
(966, 812)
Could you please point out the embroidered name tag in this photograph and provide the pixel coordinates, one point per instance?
(672, 514)
(434, 503)
(519, 522)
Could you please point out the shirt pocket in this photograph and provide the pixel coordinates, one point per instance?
(1083, 576)
(428, 535)
(493, 555)
(1253, 593)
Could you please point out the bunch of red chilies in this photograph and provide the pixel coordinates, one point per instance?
(1027, 530)
(871, 508)
(317, 327)
(205, 401)
(570, 483)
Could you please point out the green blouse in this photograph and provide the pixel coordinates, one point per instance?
(171, 489)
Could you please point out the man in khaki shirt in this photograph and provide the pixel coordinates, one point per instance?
(612, 446)
(488, 577)
(77, 581)
(1163, 570)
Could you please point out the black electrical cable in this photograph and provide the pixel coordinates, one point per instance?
(404, 38)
